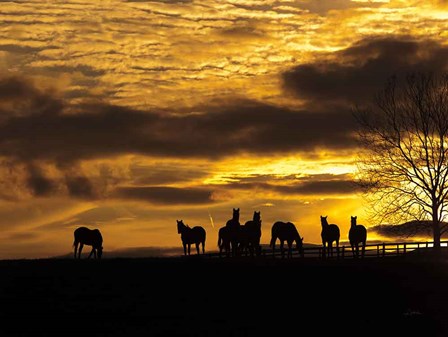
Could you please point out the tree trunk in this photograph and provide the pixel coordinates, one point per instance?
(436, 233)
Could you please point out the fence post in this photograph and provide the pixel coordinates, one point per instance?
(384, 249)
(343, 252)
(404, 249)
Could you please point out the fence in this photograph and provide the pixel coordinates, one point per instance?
(376, 250)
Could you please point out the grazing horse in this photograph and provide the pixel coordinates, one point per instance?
(330, 233)
(250, 235)
(357, 235)
(286, 231)
(91, 237)
(190, 235)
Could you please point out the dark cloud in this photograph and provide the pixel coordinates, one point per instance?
(406, 230)
(164, 1)
(311, 185)
(161, 174)
(38, 126)
(82, 68)
(166, 195)
(80, 187)
(361, 70)
(16, 49)
(321, 187)
(38, 184)
(242, 32)
(20, 97)
(323, 6)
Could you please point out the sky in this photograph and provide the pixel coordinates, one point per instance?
(127, 115)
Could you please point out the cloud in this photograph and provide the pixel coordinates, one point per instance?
(358, 72)
(38, 184)
(406, 230)
(326, 184)
(166, 195)
(37, 125)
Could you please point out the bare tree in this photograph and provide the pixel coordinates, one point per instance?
(403, 165)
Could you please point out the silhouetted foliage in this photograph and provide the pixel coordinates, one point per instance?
(403, 170)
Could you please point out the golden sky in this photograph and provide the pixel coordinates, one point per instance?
(128, 115)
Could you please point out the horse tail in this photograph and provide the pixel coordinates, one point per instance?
(219, 240)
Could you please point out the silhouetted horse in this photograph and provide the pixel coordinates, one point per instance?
(250, 235)
(286, 231)
(330, 233)
(234, 231)
(189, 236)
(357, 235)
(91, 237)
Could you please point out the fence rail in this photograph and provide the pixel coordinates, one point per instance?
(377, 250)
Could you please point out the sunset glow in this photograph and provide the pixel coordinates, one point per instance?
(126, 115)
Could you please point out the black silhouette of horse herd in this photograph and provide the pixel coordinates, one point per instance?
(235, 239)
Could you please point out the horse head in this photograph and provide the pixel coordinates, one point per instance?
(299, 245)
(257, 216)
(353, 220)
(236, 214)
(99, 252)
(180, 226)
(323, 220)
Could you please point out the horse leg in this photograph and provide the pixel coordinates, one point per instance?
(185, 248)
(197, 248)
(203, 247)
(91, 253)
(81, 246)
(337, 249)
(282, 248)
(76, 248)
(189, 248)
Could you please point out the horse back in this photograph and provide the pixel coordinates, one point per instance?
(91, 237)
(357, 233)
(331, 233)
(199, 232)
(195, 235)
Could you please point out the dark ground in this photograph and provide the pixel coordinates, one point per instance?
(201, 296)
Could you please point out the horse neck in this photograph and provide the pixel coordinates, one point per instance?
(184, 229)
